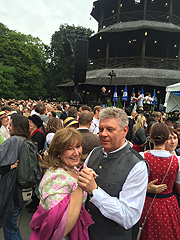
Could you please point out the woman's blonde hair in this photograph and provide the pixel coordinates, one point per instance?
(62, 140)
(140, 122)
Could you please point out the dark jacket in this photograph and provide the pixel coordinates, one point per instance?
(63, 115)
(90, 141)
(39, 138)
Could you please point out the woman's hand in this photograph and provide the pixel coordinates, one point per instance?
(15, 164)
(153, 188)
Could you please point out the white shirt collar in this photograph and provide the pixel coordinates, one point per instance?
(105, 154)
(82, 128)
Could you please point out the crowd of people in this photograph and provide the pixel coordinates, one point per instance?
(106, 171)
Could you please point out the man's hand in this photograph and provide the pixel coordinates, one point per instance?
(152, 188)
(86, 180)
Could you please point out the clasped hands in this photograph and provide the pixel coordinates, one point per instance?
(86, 180)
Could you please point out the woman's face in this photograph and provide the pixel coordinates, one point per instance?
(32, 125)
(172, 142)
(5, 121)
(71, 157)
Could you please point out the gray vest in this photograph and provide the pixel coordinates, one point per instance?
(113, 171)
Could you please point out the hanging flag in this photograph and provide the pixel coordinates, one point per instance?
(125, 94)
(154, 101)
(142, 90)
(115, 98)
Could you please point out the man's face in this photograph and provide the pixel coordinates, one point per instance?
(5, 121)
(156, 118)
(66, 107)
(12, 105)
(110, 134)
(104, 89)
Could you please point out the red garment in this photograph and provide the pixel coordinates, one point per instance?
(163, 221)
(37, 130)
(138, 148)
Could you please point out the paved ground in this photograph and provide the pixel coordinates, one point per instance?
(23, 221)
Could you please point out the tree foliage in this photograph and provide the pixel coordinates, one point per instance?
(23, 61)
(62, 66)
(7, 83)
(31, 69)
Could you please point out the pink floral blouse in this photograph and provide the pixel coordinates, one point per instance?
(55, 185)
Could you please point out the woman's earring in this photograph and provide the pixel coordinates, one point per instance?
(58, 157)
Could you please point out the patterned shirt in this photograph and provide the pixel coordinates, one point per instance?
(55, 185)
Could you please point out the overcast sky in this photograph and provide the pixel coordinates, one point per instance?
(41, 18)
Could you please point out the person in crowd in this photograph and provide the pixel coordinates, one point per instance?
(58, 110)
(8, 110)
(70, 122)
(178, 120)
(4, 124)
(43, 115)
(83, 108)
(117, 195)
(9, 153)
(130, 124)
(37, 136)
(132, 101)
(90, 140)
(64, 114)
(12, 104)
(26, 110)
(171, 146)
(52, 114)
(133, 116)
(157, 116)
(177, 128)
(94, 128)
(4, 121)
(171, 120)
(161, 210)
(72, 112)
(147, 102)
(149, 142)
(53, 125)
(104, 97)
(139, 100)
(139, 137)
(61, 212)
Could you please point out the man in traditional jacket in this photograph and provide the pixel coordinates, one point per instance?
(117, 193)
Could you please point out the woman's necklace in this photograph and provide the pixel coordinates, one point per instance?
(72, 170)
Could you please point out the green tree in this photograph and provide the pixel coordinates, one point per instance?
(7, 83)
(62, 66)
(28, 56)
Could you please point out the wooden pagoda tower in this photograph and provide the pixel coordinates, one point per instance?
(139, 40)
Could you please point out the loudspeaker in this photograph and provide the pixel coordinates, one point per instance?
(81, 56)
(68, 48)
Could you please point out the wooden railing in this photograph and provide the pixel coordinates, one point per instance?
(136, 16)
(134, 62)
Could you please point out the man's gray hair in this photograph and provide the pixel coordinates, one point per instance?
(113, 112)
